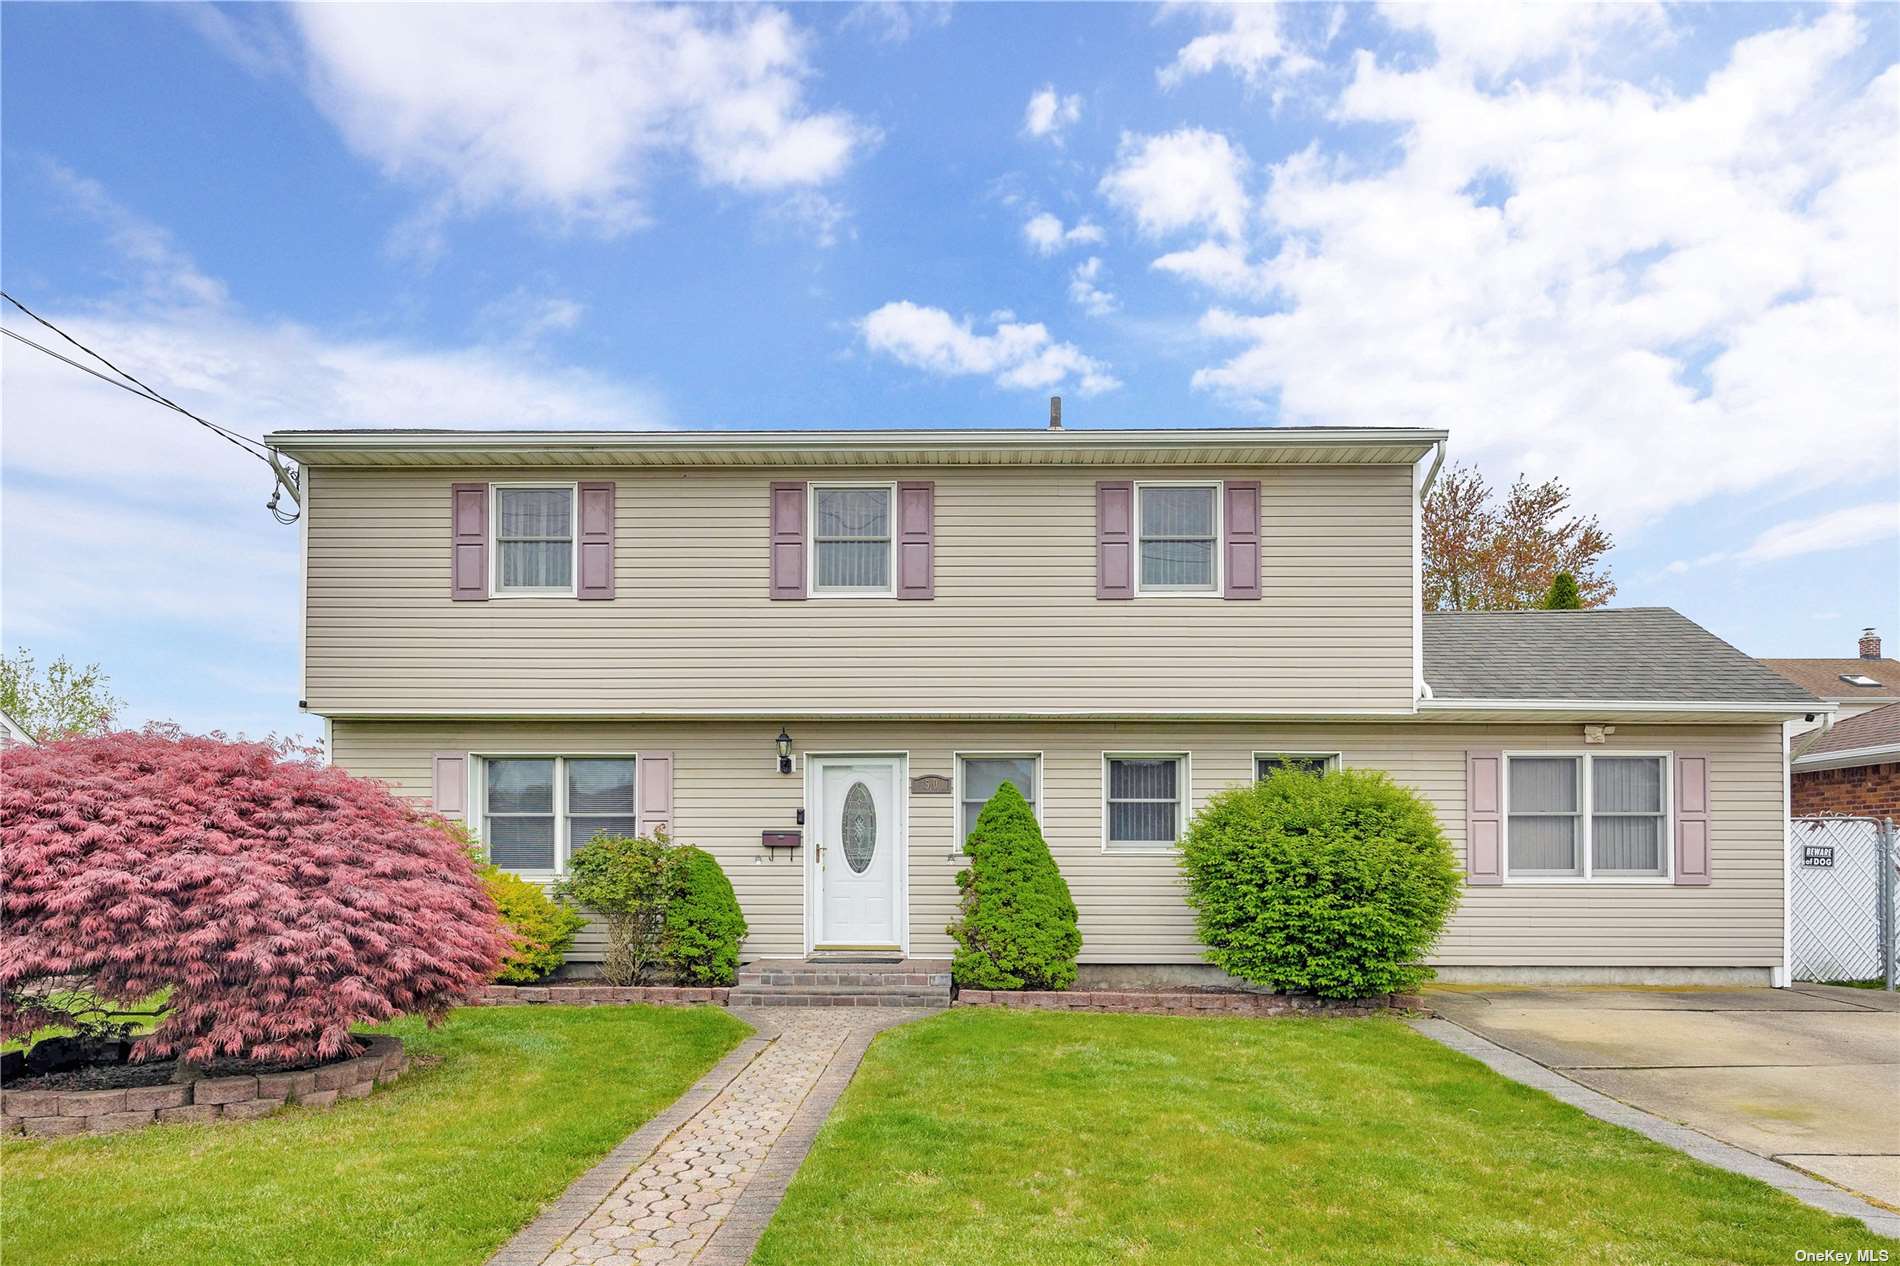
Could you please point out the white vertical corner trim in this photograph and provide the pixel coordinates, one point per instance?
(303, 600)
(1782, 976)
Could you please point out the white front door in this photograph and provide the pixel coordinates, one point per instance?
(856, 870)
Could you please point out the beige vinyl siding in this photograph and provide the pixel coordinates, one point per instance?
(727, 789)
(1015, 624)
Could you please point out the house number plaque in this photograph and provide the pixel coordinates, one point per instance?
(930, 785)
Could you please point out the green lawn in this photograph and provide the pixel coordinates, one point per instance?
(985, 1136)
(505, 1106)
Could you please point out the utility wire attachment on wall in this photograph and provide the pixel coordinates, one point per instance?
(287, 478)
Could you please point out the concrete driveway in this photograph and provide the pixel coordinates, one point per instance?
(1808, 1076)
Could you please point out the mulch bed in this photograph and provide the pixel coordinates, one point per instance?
(157, 1072)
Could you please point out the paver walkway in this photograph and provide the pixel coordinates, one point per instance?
(698, 1183)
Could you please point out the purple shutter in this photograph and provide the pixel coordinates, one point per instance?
(1115, 539)
(1484, 817)
(916, 565)
(1243, 538)
(788, 541)
(655, 772)
(596, 538)
(449, 793)
(1692, 819)
(468, 542)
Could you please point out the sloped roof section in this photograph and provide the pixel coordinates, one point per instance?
(1827, 678)
(1630, 654)
(1873, 733)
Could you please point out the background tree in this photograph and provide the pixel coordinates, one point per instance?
(1563, 595)
(62, 702)
(1481, 555)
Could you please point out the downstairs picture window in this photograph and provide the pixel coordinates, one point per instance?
(978, 778)
(537, 810)
(1587, 816)
(1264, 763)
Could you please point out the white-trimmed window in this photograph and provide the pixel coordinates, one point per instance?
(851, 540)
(1178, 526)
(979, 774)
(1587, 816)
(537, 810)
(1264, 763)
(1145, 799)
(534, 538)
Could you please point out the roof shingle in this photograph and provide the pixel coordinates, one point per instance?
(1879, 729)
(1823, 677)
(1631, 654)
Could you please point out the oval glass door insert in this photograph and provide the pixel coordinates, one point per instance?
(858, 828)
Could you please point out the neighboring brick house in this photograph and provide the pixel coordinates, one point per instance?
(1853, 767)
(1855, 685)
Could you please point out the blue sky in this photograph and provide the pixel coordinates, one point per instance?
(1651, 250)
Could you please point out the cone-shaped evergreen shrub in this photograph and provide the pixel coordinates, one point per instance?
(1563, 594)
(1018, 926)
(703, 923)
(1335, 885)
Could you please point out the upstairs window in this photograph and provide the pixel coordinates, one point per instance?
(1146, 795)
(1587, 817)
(1179, 541)
(534, 539)
(538, 810)
(851, 541)
(1264, 763)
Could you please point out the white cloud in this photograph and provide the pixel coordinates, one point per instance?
(1185, 179)
(895, 21)
(1493, 38)
(1584, 279)
(1837, 529)
(1016, 354)
(1049, 114)
(120, 515)
(1220, 266)
(1046, 236)
(1085, 291)
(1251, 42)
(573, 111)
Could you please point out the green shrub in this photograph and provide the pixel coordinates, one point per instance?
(1336, 886)
(1563, 594)
(703, 922)
(628, 881)
(1017, 929)
(540, 929)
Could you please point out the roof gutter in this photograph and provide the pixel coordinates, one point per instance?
(1848, 757)
(301, 442)
(1780, 707)
(1431, 476)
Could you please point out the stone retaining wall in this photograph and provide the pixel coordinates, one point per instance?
(47, 1113)
(596, 995)
(1156, 1002)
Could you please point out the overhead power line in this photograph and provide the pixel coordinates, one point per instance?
(287, 480)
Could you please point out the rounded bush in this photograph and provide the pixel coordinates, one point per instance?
(627, 881)
(279, 901)
(1334, 884)
(703, 922)
(540, 929)
(1018, 925)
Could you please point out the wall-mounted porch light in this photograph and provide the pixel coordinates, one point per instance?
(784, 751)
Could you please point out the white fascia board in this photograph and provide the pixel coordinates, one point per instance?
(1849, 757)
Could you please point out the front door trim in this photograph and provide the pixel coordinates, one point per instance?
(812, 761)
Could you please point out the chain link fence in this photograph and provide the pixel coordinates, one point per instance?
(1843, 894)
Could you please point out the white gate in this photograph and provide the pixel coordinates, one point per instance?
(1841, 899)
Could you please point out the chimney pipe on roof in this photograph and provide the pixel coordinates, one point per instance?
(1055, 413)
(1869, 644)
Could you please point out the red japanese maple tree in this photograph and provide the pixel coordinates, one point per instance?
(279, 900)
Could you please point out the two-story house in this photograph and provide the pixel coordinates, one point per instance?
(845, 640)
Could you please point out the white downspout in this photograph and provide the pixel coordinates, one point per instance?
(1421, 689)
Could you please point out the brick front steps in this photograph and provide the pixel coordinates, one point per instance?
(47, 1113)
(1160, 1003)
(793, 982)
